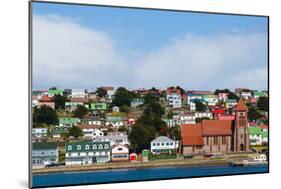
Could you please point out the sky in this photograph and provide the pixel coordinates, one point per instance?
(76, 46)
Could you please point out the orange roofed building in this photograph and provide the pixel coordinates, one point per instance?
(215, 136)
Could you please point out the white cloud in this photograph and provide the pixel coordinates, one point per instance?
(67, 54)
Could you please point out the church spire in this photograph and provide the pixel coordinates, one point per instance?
(241, 106)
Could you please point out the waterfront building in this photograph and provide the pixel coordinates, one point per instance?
(44, 153)
(119, 153)
(87, 152)
(213, 136)
(163, 144)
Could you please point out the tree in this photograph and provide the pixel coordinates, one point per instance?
(263, 104)
(123, 129)
(232, 95)
(150, 98)
(80, 111)
(174, 132)
(53, 88)
(45, 114)
(101, 92)
(140, 137)
(181, 89)
(123, 97)
(253, 114)
(60, 101)
(75, 132)
(200, 106)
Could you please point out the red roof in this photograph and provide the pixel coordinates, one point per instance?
(216, 127)
(218, 111)
(46, 99)
(263, 126)
(241, 106)
(88, 126)
(191, 134)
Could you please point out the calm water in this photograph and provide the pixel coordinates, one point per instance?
(121, 175)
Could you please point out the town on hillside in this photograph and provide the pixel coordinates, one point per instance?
(82, 127)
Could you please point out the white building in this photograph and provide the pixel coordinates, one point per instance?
(38, 133)
(163, 144)
(187, 118)
(211, 100)
(115, 109)
(119, 153)
(203, 114)
(114, 138)
(78, 93)
(72, 105)
(91, 131)
(174, 100)
(246, 94)
(87, 152)
(192, 106)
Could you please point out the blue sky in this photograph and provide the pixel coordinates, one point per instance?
(136, 35)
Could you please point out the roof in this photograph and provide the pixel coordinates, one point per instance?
(191, 134)
(83, 100)
(46, 99)
(263, 126)
(216, 127)
(241, 106)
(91, 146)
(162, 139)
(89, 126)
(255, 131)
(45, 146)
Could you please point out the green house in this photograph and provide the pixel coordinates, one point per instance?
(53, 92)
(257, 136)
(68, 121)
(98, 106)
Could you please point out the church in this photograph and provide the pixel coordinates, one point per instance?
(217, 136)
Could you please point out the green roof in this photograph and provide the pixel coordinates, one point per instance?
(55, 91)
(264, 135)
(114, 118)
(68, 120)
(255, 131)
(91, 146)
(45, 146)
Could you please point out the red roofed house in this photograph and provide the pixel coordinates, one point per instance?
(213, 136)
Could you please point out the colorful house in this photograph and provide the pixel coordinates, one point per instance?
(87, 152)
(53, 92)
(68, 121)
(98, 106)
(258, 136)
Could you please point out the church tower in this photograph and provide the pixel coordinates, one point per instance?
(240, 134)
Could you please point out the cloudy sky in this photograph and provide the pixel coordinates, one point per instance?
(78, 46)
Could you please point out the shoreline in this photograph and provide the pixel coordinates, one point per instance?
(130, 165)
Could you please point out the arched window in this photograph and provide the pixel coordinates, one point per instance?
(87, 147)
(94, 146)
(106, 146)
(78, 147)
(69, 147)
(100, 146)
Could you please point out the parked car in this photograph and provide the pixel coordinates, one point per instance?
(188, 156)
(52, 165)
(207, 155)
(218, 155)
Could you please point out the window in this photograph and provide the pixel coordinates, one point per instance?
(224, 140)
(100, 146)
(171, 143)
(87, 147)
(78, 147)
(158, 144)
(167, 143)
(153, 144)
(162, 144)
(106, 146)
(215, 140)
(94, 146)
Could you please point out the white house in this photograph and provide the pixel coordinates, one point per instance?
(187, 118)
(174, 100)
(91, 131)
(246, 94)
(115, 109)
(72, 105)
(39, 132)
(211, 100)
(78, 93)
(114, 138)
(115, 121)
(203, 114)
(163, 144)
(44, 153)
(192, 106)
(119, 153)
